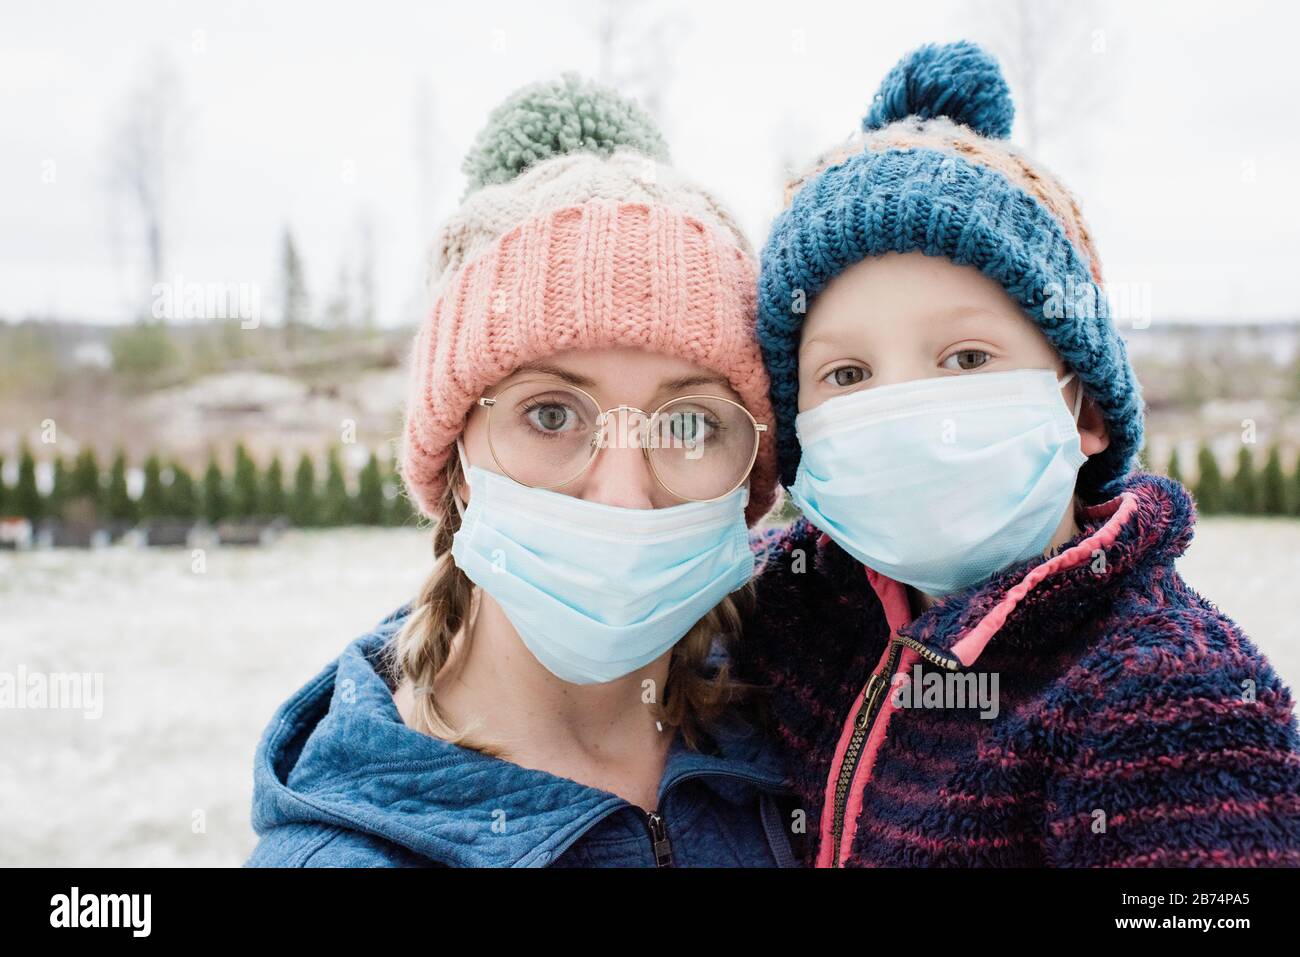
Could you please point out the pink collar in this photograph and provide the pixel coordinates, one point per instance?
(1001, 595)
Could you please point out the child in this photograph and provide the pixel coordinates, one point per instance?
(979, 649)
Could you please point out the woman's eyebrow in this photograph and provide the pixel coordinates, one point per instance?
(682, 383)
(564, 375)
(675, 385)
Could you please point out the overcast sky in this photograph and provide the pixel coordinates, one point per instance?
(1175, 123)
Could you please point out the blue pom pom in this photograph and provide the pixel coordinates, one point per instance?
(956, 80)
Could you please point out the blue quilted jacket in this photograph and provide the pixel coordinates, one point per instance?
(340, 781)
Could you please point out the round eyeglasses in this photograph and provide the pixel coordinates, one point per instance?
(545, 434)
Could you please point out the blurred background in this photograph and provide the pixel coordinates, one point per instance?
(215, 222)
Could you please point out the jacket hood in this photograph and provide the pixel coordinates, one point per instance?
(338, 753)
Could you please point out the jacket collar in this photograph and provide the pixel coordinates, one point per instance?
(1147, 522)
(338, 752)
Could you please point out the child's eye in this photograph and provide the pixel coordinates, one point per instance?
(964, 360)
(845, 376)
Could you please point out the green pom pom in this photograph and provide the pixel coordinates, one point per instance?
(568, 115)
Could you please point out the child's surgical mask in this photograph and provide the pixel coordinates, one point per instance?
(940, 483)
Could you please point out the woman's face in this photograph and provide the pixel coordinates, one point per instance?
(542, 427)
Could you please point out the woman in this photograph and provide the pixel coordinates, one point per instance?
(586, 425)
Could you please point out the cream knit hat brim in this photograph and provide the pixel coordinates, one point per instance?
(623, 177)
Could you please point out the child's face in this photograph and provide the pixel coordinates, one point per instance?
(899, 317)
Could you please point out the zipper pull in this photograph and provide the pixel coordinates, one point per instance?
(939, 661)
(867, 698)
(663, 850)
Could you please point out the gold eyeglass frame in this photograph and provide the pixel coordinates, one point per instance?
(488, 402)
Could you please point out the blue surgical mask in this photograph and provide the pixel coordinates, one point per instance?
(940, 483)
(597, 591)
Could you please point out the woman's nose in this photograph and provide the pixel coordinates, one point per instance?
(621, 475)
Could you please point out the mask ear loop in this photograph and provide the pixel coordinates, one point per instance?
(1078, 397)
(1078, 404)
(464, 468)
(476, 596)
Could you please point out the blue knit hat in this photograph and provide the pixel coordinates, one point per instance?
(932, 171)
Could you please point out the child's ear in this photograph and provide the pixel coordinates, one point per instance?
(1093, 436)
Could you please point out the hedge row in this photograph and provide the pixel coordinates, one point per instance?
(1252, 490)
(170, 491)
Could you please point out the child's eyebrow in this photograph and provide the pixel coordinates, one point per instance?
(972, 314)
(962, 314)
(819, 340)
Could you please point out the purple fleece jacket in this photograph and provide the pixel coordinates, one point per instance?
(1131, 723)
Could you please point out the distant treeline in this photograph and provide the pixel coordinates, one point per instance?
(379, 498)
(82, 490)
(1252, 489)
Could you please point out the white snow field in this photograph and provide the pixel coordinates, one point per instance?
(193, 665)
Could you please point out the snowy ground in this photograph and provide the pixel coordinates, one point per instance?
(194, 664)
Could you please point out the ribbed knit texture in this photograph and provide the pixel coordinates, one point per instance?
(590, 276)
(927, 181)
(1121, 691)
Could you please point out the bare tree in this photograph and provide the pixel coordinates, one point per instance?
(635, 41)
(352, 304)
(338, 311)
(145, 152)
(366, 271)
(425, 138)
(1058, 58)
(295, 309)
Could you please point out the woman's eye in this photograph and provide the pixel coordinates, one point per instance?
(965, 360)
(692, 428)
(550, 418)
(845, 376)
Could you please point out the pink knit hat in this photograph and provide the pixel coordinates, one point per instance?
(649, 272)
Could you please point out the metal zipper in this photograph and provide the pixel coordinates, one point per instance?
(763, 783)
(862, 723)
(872, 702)
(663, 851)
(936, 659)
